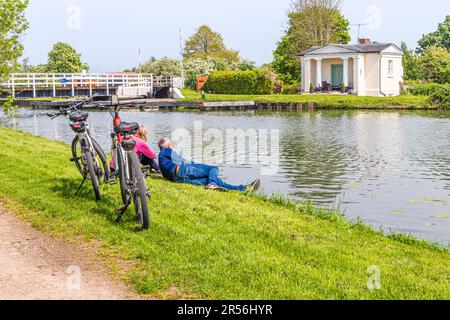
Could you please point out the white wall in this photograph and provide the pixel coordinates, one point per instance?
(390, 84)
(371, 74)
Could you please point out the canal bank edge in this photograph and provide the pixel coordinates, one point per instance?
(288, 103)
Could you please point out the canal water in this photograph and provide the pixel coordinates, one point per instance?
(389, 169)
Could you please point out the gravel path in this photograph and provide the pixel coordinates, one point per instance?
(35, 266)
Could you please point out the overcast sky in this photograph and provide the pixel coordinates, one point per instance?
(109, 34)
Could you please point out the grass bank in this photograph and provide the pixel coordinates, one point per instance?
(214, 245)
(321, 100)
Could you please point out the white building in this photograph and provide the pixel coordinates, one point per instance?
(366, 69)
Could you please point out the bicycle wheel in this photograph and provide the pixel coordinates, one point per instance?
(92, 173)
(139, 191)
(101, 156)
(122, 178)
(77, 152)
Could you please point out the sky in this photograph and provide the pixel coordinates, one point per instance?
(109, 34)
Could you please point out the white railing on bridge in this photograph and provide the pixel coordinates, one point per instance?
(75, 81)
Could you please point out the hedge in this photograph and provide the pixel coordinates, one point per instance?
(239, 82)
(426, 89)
(440, 97)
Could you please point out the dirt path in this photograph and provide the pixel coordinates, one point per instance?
(35, 266)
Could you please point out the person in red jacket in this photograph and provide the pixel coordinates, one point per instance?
(143, 151)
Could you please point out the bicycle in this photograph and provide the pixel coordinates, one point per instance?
(128, 168)
(86, 152)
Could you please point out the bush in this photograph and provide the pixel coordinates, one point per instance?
(440, 98)
(240, 82)
(291, 88)
(426, 89)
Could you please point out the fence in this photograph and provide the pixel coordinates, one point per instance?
(59, 84)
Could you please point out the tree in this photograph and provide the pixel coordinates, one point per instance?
(162, 67)
(246, 65)
(412, 70)
(198, 67)
(206, 43)
(13, 25)
(311, 23)
(435, 64)
(320, 22)
(64, 59)
(441, 37)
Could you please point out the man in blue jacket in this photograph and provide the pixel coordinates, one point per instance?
(175, 168)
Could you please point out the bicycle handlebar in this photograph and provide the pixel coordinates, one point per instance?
(74, 106)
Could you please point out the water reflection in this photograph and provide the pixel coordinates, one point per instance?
(391, 169)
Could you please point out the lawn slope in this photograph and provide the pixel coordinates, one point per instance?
(214, 245)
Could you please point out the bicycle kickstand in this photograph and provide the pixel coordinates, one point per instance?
(81, 185)
(121, 213)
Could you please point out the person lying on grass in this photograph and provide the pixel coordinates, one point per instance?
(143, 151)
(175, 168)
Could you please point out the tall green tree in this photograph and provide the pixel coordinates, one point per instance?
(311, 23)
(440, 38)
(63, 58)
(205, 43)
(435, 64)
(411, 67)
(12, 25)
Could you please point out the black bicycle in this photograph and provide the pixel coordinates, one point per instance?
(128, 169)
(88, 156)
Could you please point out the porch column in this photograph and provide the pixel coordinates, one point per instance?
(306, 70)
(345, 71)
(319, 73)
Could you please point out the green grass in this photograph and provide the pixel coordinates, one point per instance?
(216, 245)
(321, 100)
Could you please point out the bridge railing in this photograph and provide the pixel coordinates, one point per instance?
(72, 81)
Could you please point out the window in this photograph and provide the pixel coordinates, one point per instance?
(391, 68)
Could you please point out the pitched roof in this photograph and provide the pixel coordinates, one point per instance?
(361, 48)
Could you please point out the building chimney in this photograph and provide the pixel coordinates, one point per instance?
(364, 41)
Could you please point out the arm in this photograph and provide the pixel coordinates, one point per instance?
(146, 151)
(176, 158)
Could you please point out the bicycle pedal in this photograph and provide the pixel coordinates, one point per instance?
(75, 159)
(149, 194)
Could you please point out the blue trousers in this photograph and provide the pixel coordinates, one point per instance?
(203, 175)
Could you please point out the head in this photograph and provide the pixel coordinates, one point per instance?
(142, 133)
(165, 143)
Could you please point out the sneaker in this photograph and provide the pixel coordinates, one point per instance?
(215, 187)
(254, 186)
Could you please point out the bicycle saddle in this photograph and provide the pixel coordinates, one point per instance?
(127, 128)
(78, 116)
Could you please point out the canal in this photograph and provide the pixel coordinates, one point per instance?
(389, 169)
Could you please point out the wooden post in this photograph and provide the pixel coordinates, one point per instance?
(54, 85)
(73, 86)
(13, 86)
(107, 85)
(90, 84)
(34, 85)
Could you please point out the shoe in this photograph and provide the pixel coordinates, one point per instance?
(215, 187)
(254, 186)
